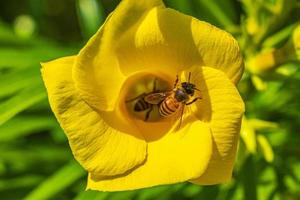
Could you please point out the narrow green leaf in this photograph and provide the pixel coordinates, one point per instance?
(280, 36)
(91, 16)
(20, 158)
(152, 193)
(182, 6)
(219, 13)
(17, 79)
(20, 182)
(229, 9)
(17, 152)
(228, 191)
(209, 192)
(249, 179)
(28, 56)
(26, 125)
(91, 195)
(126, 195)
(161, 192)
(266, 182)
(21, 101)
(58, 182)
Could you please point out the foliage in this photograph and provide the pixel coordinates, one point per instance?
(35, 160)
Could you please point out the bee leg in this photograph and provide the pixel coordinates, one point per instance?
(193, 101)
(135, 98)
(189, 77)
(181, 115)
(148, 113)
(176, 81)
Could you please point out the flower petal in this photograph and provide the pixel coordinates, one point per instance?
(96, 73)
(222, 107)
(176, 157)
(168, 40)
(95, 144)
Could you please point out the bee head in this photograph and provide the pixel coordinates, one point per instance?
(189, 88)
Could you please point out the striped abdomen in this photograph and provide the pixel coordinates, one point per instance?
(141, 105)
(169, 106)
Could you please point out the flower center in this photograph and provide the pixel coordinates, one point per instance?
(144, 93)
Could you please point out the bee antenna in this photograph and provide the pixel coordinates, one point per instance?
(189, 77)
(196, 89)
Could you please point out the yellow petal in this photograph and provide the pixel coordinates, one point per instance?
(98, 147)
(222, 107)
(168, 40)
(142, 35)
(176, 157)
(96, 72)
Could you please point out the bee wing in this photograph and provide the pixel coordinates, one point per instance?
(156, 98)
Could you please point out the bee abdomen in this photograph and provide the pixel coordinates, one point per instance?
(168, 107)
(141, 105)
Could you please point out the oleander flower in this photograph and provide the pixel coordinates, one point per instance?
(140, 43)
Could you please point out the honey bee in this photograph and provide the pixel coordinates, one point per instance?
(168, 102)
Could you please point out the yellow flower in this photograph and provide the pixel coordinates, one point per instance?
(139, 42)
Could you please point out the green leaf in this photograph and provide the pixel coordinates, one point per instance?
(17, 79)
(91, 16)
(280, 36)
(125, 195)
(209, 192)
(91, 195)
(249, 179)
(182, 6)
(21, 101)
(217, 12)
(58, 182)
(229, 8)
(20, 153)
(164, 192)
(28, 56)
(153, 193)
(192, 190)
(20, 182)
(26, 125)
(267, 182)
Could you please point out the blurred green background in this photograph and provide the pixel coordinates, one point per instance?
(35, 159)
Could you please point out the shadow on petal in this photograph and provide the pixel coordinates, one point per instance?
(224, 119)
(203, 105)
